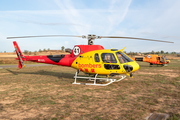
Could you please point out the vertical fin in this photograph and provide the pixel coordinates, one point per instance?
(19, 54)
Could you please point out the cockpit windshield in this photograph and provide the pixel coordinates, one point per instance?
(162, 59)
(165, 58)
(123, 58)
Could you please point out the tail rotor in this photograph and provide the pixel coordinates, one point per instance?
(19, 54)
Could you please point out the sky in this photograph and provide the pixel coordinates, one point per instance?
(149, 19)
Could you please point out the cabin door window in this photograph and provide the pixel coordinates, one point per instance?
(109, 61)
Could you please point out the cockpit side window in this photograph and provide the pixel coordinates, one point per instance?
(123, 58)
(96, 57)
(108, 58)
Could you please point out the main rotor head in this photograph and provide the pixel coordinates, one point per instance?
(90, 38)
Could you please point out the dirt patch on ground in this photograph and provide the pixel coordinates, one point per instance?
(19, 115)
(5, 73)
(166, 70)
(9, 56)
(163, 73)
(8, 101)
(174, 58)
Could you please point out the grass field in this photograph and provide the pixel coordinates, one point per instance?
(47, 93)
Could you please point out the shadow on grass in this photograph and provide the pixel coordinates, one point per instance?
(43, 72)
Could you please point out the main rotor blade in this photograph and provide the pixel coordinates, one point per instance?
(135, 38)
(43, 36)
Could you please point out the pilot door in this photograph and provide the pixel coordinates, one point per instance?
(162, 60)
(110, 63)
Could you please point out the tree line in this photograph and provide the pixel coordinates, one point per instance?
(43, 50)
(130, 53)
(152, 52)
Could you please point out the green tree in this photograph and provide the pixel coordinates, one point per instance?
(162, 52)
(157, 52)
(130, 53)
(35, 52)
(40, 50)
(62, 48)
(173, 53)
(152, 52)
(44, 49)
(25, 51)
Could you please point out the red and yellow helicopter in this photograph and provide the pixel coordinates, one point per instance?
(91, 59)
(153, 59)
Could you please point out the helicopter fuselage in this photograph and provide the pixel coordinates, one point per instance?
(153, 59)
(91, 59)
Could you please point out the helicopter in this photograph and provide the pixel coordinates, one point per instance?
(153, 59)
(90, 59)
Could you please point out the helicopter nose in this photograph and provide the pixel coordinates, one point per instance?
(168, 61)
(131, 68)
(135, 67)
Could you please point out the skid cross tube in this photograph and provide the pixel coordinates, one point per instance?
(95, 80)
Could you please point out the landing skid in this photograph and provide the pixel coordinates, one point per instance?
(158, 65)
(95, 79)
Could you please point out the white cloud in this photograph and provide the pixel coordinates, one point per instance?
(152, 19)
(72, 15)
(118, 10)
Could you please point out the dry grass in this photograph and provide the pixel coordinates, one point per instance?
(47, 93)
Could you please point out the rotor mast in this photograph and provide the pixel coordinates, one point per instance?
(90, 38)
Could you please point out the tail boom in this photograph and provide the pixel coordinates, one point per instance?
(63, 60)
